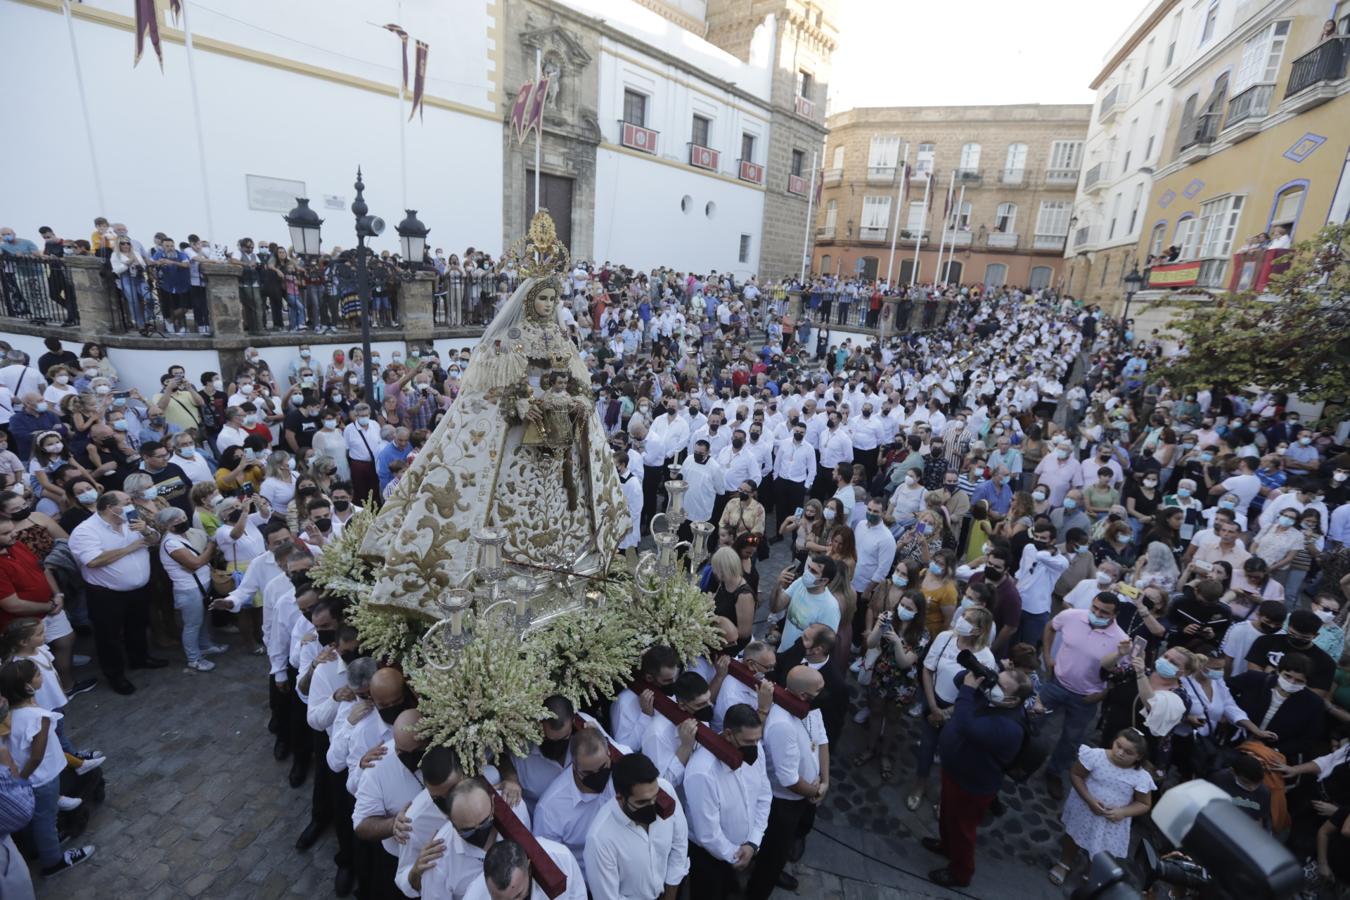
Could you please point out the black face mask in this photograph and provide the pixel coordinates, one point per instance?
(324, 524)
(643, 815)
(181, 527)
(667, 689)
(342, 505)
(233, 518)
(443, 804)
(327, 636)
(1299, 643)
(750, 754)
(754, 435)
(744, 495)
(410, 758)
(704, 715)
(554, 748)
(479, 836)
(595, 781)
(390, 713)
(700, 458)
(349, 656)
(737, 443)
(817, 701)
(21, 513)
(993, 574)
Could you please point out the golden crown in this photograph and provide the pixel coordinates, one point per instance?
(539, 253)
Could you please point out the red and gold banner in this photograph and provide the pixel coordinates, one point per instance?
(403, 37)
(1182, 274)
(147, 22)
(419, 78)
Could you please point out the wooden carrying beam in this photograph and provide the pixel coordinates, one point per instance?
(790, 702)
(665, 804)
(542, 867)
(717, 745)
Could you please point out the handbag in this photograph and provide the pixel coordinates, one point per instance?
(869, 662)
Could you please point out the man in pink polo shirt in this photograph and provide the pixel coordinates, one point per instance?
(1090, 641)
(1060, 472)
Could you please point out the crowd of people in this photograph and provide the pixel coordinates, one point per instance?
(1164, 571)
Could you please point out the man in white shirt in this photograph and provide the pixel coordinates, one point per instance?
(835, 447)
(569, 805)
(630, 714)
(797, 756)
(761, 660)
(450, 863)
(706, 481)
(868, 432)
(876, 550)
(507, 874)
(1268, 618)
(1246, 484)
(727, 809)
(362, 435)
(1040, 568)
(387, 788)
(544, 762)
(794, 471)
(669, 745)
(631, 486)
(416, 824)
(715, 433)
(1080, 597)
(112, 549)
(631, 851)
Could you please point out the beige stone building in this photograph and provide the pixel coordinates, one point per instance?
(1018, 164)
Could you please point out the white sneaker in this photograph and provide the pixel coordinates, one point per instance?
(201, 665)
(857, 665)
(862, 715)
(214, 650)
(70, 858)
(91, 764)
(66, 804)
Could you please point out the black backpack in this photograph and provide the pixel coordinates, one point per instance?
(1031, 755)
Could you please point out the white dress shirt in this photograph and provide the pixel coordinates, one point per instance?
(93, 537)
(876, 552)
(328, 678)
(738, 466)
(762, 450)
(363, 450)
(659, 744)
(536, 772)
(715, 441)
(562, 858)
(1036, 577)
(230, 437)
(260, 572)
(835, 447)
(631, 485)
(625, 861)
(425, 820)
(794, 462)
(732, 691)
(364, 736)
(867, 431)
(279, 615)
(705, 482)
(565, 814)
(792, 747)
(725, 807)
(384, 790)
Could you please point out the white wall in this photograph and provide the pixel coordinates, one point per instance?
(638, 220)
(256, 119)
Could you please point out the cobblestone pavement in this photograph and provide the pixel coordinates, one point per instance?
(197, 807)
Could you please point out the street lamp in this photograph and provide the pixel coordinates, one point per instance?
(304, 224)
(1132, 282)
(366, 226)
(412, 235)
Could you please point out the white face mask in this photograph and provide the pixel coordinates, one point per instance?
(963, 627)
(1289, 686)
(829, 515)
(1104, 579)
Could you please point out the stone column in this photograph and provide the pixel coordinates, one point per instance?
(795, 304)
(890, 307)
(98, 316)
(222, 298)
(417, 307)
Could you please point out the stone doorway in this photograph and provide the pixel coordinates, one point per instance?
(556, 197)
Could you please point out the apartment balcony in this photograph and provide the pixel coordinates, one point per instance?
(636, 137)
(880, 174)
(1050, 242)
(969, 176)
(1246, 110)
(833, 177)
(872, 234)
(907, 236)
(1095, 179)
(957, 238)
(1113, 103)
(1201, 134)
(751, 172)
(1013, 176)
(704, 157)
(998, 240)
(1315, 76)
(825, 233)
(1084, 237)
(796, 184)
(805, 108)
(1063, 178)
(920, 171)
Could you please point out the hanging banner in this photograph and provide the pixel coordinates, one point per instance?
(403, 37)
(419, 78)
(1182, 274)
(147, 22)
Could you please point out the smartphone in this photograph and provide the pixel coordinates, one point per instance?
(121, 395)
(1202, 566)
(1128, 591)
(133, 515)
(1137, 647)
(798, 513)
(247, 489)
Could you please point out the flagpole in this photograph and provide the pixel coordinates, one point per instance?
(942, 234)
(84, 110)
(956, 220)
(539, 128)
(899, 201)
(923, 222)
(402, 125)
(810, 208)
(197, 120)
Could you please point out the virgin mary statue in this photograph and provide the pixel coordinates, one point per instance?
(521, 451)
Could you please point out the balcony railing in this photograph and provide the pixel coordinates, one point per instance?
(998, 240)
(1251, 105)
(797, 185)
(959, 238)
(833, 177)
(806, 108)
(881, 174)
(637, 137)
(704, 157)
(1066, 177)
(1202, 132)
(872, 234)
(1048, 242)
(1094, 176)
(1213, 272)
(1113, 102)
(920, 170)
(1013, 176)
(969, 176)
(1326, 62)
(749, 171)
(1082, 236)
(825, 233)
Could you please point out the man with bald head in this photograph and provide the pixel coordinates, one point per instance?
(569, 805)
(760, 659)
(384, 790)
(417, 824)
(798, 763)
(507, 876)
(32, 416)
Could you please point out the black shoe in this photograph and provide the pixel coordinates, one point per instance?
(786, 882)
(82, 687)
(933, 845)
(299, 769)
(122, 686)
(84, 630)
(344, 882)
(281, 749)
(150, 662)
(1055, 786)
(311, 834)
(944, 877)
(798, 848)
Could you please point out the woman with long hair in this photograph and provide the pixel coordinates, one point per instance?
(807, 530)
(734, 598)
(939, 590)
(895, 644)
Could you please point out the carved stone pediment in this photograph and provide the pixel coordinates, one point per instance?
(556, 39)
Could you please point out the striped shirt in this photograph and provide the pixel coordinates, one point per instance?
(16, 802)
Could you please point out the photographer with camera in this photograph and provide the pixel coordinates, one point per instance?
(979, 742)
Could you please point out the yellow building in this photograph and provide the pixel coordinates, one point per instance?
(1257, 146)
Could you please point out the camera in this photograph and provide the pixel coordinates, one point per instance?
(966, 660)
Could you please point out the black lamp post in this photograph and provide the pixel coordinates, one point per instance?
(304, 224)
(412, 234)
(1132, 282)
(366, 226)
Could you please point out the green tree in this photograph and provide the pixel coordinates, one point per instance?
(1294, 338)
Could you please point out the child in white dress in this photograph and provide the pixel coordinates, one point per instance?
(1110, 787)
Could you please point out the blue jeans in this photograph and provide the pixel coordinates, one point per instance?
(66, 746)
(1031, 628)
(295, 311)
(42, 829)
(928, 742)
(1078, 715)
(136, 292)
(196, 630)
